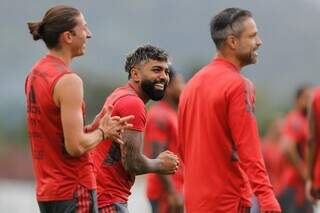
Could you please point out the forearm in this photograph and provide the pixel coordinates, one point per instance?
(253, 165)
(140, 164)
(83, 143)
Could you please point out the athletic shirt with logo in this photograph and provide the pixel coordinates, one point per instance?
(57, 173)
(219, 142)
(113, 181)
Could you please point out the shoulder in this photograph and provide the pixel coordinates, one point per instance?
(70, 79)
(129, 105)
(129, 100)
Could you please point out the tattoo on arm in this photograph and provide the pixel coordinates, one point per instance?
(133, 159)
(157, 147)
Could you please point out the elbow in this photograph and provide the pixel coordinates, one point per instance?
(130, 168)
(134, 168)
(74, 151)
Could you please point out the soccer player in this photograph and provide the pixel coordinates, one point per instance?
(313, 174)
(165, 191)
(117, 166)
(294, 139)
(65, 180)
(273, 156)
(218, 135)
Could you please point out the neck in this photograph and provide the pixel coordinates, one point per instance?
(229, 57)
(139, 91)
(65, 56)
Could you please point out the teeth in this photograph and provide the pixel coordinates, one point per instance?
(159, 86)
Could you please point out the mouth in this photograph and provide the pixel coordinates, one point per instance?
(159, 86)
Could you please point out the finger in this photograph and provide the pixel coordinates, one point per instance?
(115, 118)
(102, 112)
(107, 113)
(128, 126)
(119, 141)
(126, 118)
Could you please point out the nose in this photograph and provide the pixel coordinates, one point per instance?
(89, 34)
(164, 76)
(259, 41)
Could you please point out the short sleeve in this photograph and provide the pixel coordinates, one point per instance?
(131, 105)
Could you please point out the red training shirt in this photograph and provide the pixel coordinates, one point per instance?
(295, 128)
(113, 182)
(57, 173)
(219, 142)
(316, 114)
(275, 163)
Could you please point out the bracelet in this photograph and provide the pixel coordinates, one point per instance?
(102, 132)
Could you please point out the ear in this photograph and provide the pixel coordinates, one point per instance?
(66, 37)
(232, 42)
(135, 74)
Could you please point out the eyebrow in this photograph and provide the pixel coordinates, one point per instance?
(159, 67)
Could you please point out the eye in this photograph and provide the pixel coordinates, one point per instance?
(156, 70)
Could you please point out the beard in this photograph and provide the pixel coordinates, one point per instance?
(248, 58)
(154, 94)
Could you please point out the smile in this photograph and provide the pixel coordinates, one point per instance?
(159, 86)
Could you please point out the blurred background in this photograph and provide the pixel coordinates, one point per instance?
(288, 58)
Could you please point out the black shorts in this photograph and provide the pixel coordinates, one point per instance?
(115, 208)
(84, 201)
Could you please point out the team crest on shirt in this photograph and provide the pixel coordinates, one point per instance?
(114, 154)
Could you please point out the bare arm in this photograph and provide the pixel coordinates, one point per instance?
(292, 155)
(68, 95)
(136, 163)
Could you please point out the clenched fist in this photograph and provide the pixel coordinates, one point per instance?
(169, 162)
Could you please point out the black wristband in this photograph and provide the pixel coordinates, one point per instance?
(102, 132)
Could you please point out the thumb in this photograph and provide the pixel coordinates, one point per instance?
(106, 113)
(109, 110)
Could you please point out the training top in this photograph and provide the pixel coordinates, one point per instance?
(113, 182)
(219, 142)
(57, 173)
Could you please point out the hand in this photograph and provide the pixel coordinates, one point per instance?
(95, 123)
(308, 190)
(113, 127)
(169, 162)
